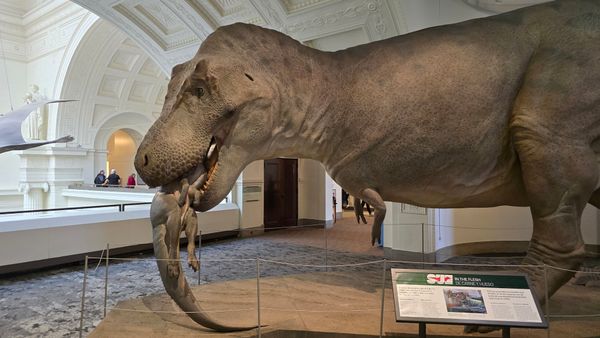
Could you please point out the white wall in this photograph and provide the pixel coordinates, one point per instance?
(312, 190)
(250, 193)
(31, 238)
(498, 224)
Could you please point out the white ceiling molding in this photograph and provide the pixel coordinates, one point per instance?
(109, 75)
(38, 27)
(172, 30)
(500, 6)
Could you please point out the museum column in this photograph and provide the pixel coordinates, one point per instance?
(250, 197)
(33, 194)
(46, 171)
(408, 231)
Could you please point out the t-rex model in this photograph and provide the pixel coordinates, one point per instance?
(503, 110)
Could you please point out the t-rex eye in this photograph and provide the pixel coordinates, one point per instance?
(199, 91)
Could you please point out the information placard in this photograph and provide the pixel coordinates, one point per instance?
(465, 297)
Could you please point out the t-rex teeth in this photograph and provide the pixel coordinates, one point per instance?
(211, 150)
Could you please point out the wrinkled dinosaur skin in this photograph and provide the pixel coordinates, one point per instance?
(503, 110)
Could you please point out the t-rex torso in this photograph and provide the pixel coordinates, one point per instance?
(503, 110)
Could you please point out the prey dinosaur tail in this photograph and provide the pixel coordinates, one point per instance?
(165, 216)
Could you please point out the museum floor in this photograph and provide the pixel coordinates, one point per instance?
(47, 304)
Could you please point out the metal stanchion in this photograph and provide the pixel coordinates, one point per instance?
(258, 296)
(382, 299)
(85, 272)
(199, 255)
(106, 280)
(547, 303)
(326, 249)
(422, 245)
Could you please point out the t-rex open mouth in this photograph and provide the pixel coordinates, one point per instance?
(204, 172)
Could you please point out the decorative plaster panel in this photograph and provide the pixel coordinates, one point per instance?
(161, 17)
(111, 86)
(292, 6)
(100, 112)
(149, 68)
(158, 22)
(160, 98)
(140, 91)
(123, 60)
(499, 6)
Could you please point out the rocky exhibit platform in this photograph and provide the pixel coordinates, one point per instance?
(327, 304)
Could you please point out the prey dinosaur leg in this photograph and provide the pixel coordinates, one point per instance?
(191, 228)
(374, 199)
(174, 227)
(358, 211)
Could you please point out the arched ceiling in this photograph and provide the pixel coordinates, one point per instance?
(171, 30)
(111, 77)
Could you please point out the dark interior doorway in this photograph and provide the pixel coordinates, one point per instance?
(281, 193)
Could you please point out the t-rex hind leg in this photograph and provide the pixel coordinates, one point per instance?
(557, 195)
(595, 199)
(358, 211)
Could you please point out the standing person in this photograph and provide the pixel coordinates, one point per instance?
(100, 179)
(131, 181)
(113, 179)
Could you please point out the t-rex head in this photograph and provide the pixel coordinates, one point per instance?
(224, 86)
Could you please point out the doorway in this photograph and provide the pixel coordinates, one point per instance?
(121, 148)
(281, 193)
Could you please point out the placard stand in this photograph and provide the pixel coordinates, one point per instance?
(423, 331)
(486, 298)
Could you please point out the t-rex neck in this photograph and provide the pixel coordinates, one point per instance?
(308, 121)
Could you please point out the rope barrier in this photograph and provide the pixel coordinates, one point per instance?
(379, 261)
(247, 309)
(310, 311)
(321, 265)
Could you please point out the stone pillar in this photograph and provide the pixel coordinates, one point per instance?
(250, 198)
(47, 171)
(33, 194)
(408, 230)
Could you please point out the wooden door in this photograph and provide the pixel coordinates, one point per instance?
(281, 193)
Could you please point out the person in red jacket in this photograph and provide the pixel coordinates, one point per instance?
(131, 181)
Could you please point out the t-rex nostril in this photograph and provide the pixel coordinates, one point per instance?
(145, 160)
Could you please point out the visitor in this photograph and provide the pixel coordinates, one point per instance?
(113, 179)
(131, 181)
(100, 179)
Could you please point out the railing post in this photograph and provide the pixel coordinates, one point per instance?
(326, 248)
(85, 272)
(547, 297)
(106, 279)
(382, 298)
(199, 255)
(258, 296)
(423, 245)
